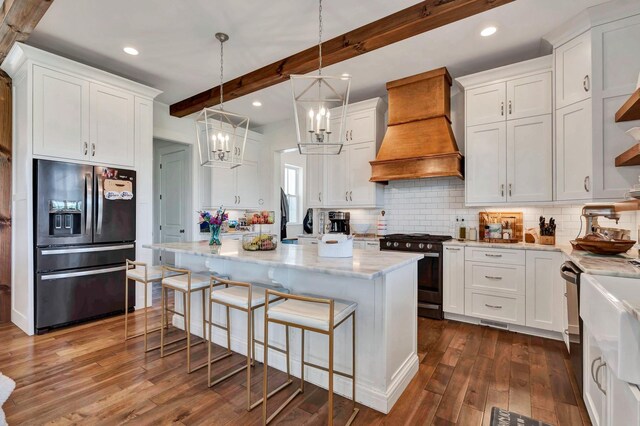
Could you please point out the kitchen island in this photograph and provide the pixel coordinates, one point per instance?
(383, 284)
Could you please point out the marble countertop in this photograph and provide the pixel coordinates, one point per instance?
(364, 264)
(594, 264)
(513, 246)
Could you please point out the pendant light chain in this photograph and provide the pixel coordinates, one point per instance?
(221, 74)
(320, 36)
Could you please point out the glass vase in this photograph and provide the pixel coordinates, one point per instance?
(215, 235)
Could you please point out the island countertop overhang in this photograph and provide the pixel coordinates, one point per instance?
(364, 264)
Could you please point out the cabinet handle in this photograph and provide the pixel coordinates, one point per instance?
(86, 148)
(502, 190)
(493, 306)
(319, 197)
(510, 108)
(453, 249)
(350, 195)
(492, 255)
(502, 109)
(598, 381)
(489, 277)
(350, 134)
(586, 83)
(239, 199)
(566, 331)
(587, 182)
(509, 190)
(93, 149)
(346, 195)
(592, 364)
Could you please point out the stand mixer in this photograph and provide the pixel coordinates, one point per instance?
(591, 212)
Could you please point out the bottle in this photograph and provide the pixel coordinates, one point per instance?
(456, 230)
(462, 234)
(473, 234)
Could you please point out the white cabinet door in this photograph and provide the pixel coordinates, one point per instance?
(485, 104)
(594, 387)
(111, 121)
(315, 181)
(223, 187)
(529, 159)
(573, 71)
(529, 96)
(623, 405)
(485, 176)
(247, 185)
(361, 191)
(574, 151)
(60, 115)
(361, 127)
(544, 290)
(453, 280)
(337, 179)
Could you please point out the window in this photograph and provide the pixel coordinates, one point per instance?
(293, 189)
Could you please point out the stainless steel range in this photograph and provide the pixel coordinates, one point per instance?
(429, 268)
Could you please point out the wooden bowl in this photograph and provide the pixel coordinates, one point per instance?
(603, 247)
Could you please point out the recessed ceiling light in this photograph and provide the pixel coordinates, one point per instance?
(131, 50)
(257, 104)
(488, 31)
(346, 76)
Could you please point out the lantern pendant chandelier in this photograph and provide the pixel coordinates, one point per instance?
(320, 107)
(221, 134)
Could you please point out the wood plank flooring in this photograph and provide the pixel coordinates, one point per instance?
(88, 375)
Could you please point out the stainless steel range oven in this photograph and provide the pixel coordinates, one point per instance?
(429, 268)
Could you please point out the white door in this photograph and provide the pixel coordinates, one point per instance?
(315, 181)
(530, 159)
(361, 127)
(485, 104)
(223, 187)
(60, 115)
(574, 152)
(453, 280)
(111, 119)
(361, 191)
(174, 171)
(485, 175)
(594, 386)
(337, 179)
(544, 290)
(529, 96)
(573, 71)
(248, 185)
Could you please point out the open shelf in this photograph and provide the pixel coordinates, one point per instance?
(630, 157)
(631, 109)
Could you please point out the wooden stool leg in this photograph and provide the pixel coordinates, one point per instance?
(287, 349)
(204, 317)
(186, 305)
(210, 343)
(228, 329)
(146, 310)
(164, 313)
(302, 362)
(126, 308)
(265, 373)
(330, 420)
(253, 337)
(249, 330)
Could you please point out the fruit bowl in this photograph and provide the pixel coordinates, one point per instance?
(259, 242)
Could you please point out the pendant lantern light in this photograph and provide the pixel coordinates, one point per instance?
(221, 135)
(320, 107)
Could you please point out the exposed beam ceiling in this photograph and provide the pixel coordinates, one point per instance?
(414, 20)
(19, 18)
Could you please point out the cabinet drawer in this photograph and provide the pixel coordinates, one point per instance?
(494, 306)
(502, 256)
(484, 276)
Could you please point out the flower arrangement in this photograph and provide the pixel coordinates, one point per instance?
(215, 221)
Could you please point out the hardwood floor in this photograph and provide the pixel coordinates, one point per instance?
(88, 375)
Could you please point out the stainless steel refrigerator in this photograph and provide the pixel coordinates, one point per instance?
(85, 228)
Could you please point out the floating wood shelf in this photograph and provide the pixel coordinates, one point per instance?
(630, 157)
(631, 109)
(627, 205)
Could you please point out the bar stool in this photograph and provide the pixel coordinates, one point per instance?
(236, 295)
(186, 282)
(316, 314)
(142, 273)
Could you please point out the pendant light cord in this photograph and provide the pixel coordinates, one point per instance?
(320, 36)
(221, 74)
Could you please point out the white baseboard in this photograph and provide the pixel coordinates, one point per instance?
(21, 322)
(548, 334)
(365, 395)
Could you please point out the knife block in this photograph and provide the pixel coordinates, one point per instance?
(548, 240)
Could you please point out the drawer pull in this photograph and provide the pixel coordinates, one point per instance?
(493, 306)
(492, 255)
(453, 249)
(489, 277)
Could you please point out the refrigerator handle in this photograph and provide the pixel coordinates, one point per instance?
(100, 205)
(88, 202)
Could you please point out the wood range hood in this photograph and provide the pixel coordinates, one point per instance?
(419, 142)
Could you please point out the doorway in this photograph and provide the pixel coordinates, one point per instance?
(172, 193)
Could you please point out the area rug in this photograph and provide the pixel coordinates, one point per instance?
(500, 417)
(6, 387)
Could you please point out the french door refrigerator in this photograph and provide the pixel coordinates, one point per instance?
(85, 228)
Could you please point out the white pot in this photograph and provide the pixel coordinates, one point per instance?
(335, 245)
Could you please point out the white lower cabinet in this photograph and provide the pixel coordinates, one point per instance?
(453, 280)
(623, 402)
(545, 290)
(495, 306)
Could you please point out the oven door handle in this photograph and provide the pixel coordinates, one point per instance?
(432, 255)
(569, 274)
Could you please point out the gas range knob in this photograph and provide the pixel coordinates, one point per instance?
(429, 246)
(396, 244)
(408, 245)
(420, 246)
(388, 243)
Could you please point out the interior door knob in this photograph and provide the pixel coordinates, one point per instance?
(182, 231)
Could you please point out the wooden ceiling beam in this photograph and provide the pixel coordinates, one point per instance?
(409, 22)
(18, 19)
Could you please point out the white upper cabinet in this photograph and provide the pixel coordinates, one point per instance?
(573, 71)
(573, 152)
(111, 126)
(337, 168)
(529, 96)
(361, 126)
(223, 187)
(530, 159)
(315, 181)
(60, 115)
(485, 163)
(361, 191)
(248, 185)
(485, 104)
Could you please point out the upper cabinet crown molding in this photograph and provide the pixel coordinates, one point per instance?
(20, 53)
(507, 72)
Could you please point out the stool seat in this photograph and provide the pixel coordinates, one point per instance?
(238, 296)
(154, 273)
(180, 282)
(311, 314)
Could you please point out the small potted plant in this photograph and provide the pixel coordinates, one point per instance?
(215, 222)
